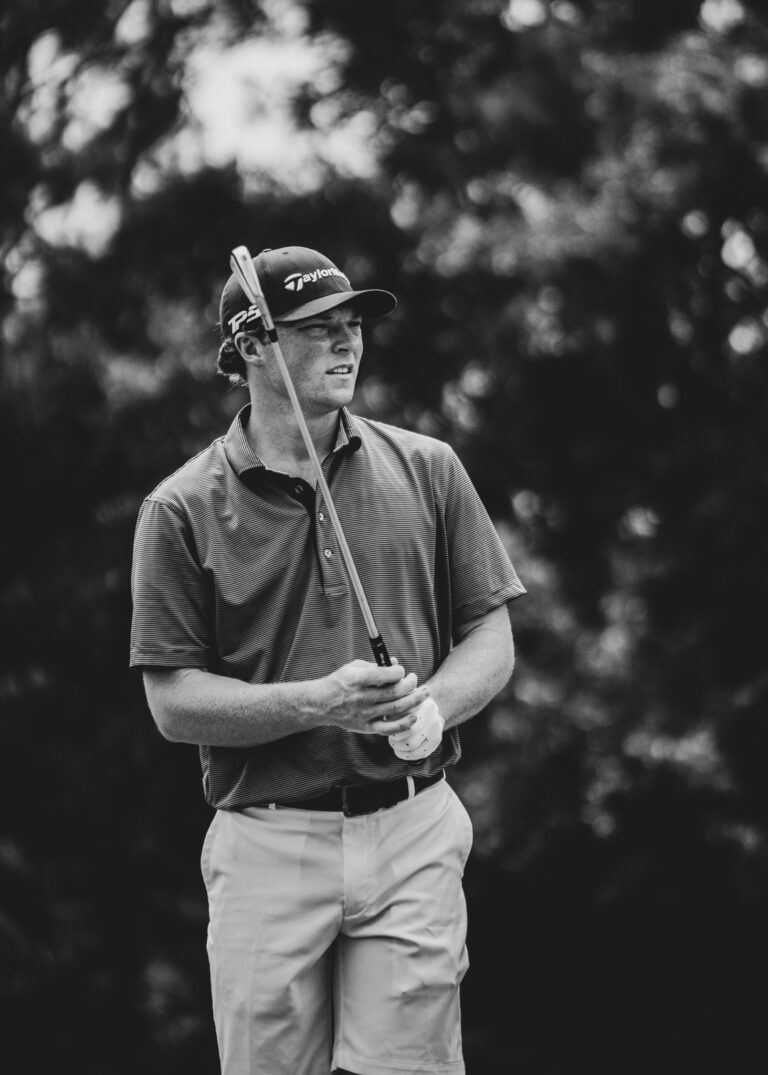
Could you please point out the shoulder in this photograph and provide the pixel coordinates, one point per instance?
(381, 436)
(430, 464)
(193, 479)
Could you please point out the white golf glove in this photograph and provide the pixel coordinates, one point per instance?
(423, 737)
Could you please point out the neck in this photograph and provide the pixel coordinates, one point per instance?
(277, 440)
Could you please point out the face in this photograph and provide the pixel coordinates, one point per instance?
(323, 355)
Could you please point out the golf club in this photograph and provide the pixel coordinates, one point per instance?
(247, 277)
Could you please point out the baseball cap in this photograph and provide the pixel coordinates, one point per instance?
(297, 282)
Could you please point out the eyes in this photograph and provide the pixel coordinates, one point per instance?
(316, 330)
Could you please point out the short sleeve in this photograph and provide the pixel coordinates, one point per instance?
(170, 592)
(482, 574)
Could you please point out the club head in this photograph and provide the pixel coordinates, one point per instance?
(242, 266)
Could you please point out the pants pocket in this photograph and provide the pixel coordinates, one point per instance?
(207, 850)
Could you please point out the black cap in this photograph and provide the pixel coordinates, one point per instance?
(297, 282)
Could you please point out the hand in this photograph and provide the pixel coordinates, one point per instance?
(364, 697)
(423, 737)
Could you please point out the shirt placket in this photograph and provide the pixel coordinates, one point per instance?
(331, 566)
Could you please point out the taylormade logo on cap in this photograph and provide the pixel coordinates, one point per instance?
(295, 281)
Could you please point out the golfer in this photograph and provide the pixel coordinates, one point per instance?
(334, 860)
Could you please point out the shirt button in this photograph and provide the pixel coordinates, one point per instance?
(299, 489)
(328, 553)
(321, 516)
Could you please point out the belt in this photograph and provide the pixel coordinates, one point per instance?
(357, 799)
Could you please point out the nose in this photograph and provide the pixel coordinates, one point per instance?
(344, 337)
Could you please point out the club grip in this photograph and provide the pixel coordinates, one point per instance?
(380, 652)
(383, 660)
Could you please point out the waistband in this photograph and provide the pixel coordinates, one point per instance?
(355, 800)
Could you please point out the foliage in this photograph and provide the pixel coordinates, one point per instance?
(568, 198)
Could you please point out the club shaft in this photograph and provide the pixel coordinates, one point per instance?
(326, 493)
(248, 279)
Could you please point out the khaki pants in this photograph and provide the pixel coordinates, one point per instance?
(339, 942)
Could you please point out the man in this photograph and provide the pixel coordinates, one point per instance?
(334, 860)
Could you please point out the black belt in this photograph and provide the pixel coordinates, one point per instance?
(356, 799)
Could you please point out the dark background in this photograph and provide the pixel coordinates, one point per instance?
(570, 200)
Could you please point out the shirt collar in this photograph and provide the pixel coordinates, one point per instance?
(242, 457)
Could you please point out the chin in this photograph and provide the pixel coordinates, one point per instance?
(343, 395)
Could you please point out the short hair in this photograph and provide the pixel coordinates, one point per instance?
(231, 364)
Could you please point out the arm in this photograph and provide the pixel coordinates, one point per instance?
(474, 671)
(191, 705)
(483, 656)
(477, 667)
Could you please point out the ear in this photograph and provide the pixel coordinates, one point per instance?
(251, 351)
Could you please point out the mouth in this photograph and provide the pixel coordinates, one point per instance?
(341, 371)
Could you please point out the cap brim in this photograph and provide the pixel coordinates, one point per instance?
(371, 303)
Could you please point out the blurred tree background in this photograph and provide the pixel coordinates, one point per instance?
(570, 199)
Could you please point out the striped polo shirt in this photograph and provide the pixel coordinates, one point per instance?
(237, 570)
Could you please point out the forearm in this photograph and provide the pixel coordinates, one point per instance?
(476, 669)
(191, 705)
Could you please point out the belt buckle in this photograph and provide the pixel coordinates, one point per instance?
(374, 808)
(347, 801)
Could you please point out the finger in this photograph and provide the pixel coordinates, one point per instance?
(411, 732)
(405, 686)
(408, 737)
(406, 705)
(404, 751)
(374, 675)
(399, 738)
(391, 726)
(415, 753)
